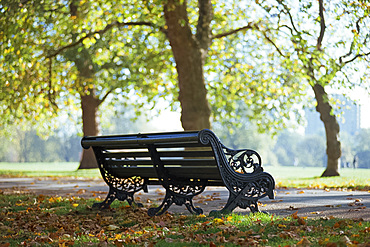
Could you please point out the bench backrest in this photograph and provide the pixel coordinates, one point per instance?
(173, 150)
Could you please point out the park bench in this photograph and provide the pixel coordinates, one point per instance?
(184, 163)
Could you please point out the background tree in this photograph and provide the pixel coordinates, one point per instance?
(53, 56)
(311, 37)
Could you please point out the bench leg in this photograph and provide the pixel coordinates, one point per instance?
(238, 200)
(114, 194)
(194, 210)
(171, 198)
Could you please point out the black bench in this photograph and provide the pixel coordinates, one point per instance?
(184, 163)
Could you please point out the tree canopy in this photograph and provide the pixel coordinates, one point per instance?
(219, 60)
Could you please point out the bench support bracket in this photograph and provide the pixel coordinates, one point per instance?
(114, 194)
(179, 191)
(171, 198)
(122, 189)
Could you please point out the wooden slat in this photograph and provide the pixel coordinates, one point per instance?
(127, 154)
(140, 140)
(150, 172)
(186, 153)
(166, 162)
(117, 146)
(140, 162)
(178, 145)
(178, 153)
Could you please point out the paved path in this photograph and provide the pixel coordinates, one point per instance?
(310, 203)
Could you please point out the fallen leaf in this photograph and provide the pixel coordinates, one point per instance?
(112, 227)
(301, 221)
(292, 208)
(211, 244)
(345, 240)
(304, 242)
(294, 215)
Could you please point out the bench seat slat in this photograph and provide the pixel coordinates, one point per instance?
(174, 162)
(181, 153)
(140, 139)
(150, 172)
(143, 146)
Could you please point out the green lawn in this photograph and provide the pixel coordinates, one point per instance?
(300, 177)
(41, 169)
(285, 176)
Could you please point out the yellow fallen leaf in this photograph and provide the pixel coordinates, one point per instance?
(75, 205)
(201, 216)
(304, 242)
(218, 221)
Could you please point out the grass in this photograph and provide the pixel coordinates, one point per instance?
(309, 177)
(30, 220)
(40, 169)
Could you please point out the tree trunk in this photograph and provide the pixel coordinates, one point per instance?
(90, 127)
(333, 145)
(189, 57)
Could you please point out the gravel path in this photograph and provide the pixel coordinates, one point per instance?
(308, 202)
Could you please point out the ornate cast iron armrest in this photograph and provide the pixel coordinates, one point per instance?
(245, 161)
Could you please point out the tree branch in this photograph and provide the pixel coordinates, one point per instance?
(322, 25)
(354, 58)
(105, 96)
(221, 35)
(289, 14)
(100, 32)
(353, 45)
(273, 43)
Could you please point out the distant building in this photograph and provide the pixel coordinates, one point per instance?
(349, 120)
